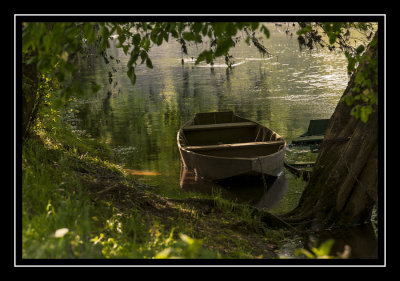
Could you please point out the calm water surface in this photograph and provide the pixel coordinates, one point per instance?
(140, 122)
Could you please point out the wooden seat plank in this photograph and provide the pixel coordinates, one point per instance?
(219, 126)
(233, 145)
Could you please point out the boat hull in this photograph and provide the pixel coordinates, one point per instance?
(219, 161)
(216, 168)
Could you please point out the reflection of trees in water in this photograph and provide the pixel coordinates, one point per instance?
(252, 89)
(96, 120)
(185, 83)
(153, 95)
(183, 97)
(220, 89)
(264, 108)
(106, 108)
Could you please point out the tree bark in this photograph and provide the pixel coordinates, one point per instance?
(343, 187)
(30, 99)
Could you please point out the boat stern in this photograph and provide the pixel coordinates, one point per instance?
(271, 165)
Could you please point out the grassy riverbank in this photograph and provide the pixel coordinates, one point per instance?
(78, 204)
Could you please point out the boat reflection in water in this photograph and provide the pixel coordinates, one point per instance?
(241, 189)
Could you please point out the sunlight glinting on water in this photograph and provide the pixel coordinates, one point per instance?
(283, 91)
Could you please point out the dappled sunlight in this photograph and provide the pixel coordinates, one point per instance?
(141, 172)
(104, 105)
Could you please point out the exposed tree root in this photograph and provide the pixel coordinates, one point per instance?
(267, 218)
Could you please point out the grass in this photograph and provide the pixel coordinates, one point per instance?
(78, 204)
(58, 194)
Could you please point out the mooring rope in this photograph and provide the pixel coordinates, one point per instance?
(262, 174)
(259, 129)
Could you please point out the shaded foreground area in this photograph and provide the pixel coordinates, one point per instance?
(78, 204)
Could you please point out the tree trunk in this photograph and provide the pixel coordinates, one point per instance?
(343, 187)
(30, 84)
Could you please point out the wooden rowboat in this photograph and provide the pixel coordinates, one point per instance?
(219, 145)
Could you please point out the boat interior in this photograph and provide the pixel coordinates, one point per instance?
(225, 134)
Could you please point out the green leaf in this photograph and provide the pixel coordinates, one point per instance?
(149, 64)
(351, 65)
(191, 36)
(154, 34)
(159, 39)
(219, 27)
(351, 62)
(365, 111)
(325, 248)
(205, 55)
(332, 38)
(145, 43)
(304, 252)
(132, 59)
(205, 29)
(121, 39)
(223, 46)
(254, 25)
(132, 75)
(197, 26)
(165, 36)
(231, 29)
(143, 56)
(125, 48)
(327, 27)
(373, 98)
(265, 30)
(104, 31)
(181, 26)
(171, 26)
(304, 30)
(89, 33)
(360, 49)
(355, 111)
(174, 34)
(136, 39)
(348, 100)
(163, 254)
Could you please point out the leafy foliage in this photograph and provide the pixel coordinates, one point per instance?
(323, 251)
(364, 96)
(51, 48)
(363, 64)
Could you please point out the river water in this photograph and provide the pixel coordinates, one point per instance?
(283, 92)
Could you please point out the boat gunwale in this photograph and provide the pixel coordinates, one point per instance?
(181, 147)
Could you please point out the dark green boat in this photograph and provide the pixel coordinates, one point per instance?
(315, 133)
